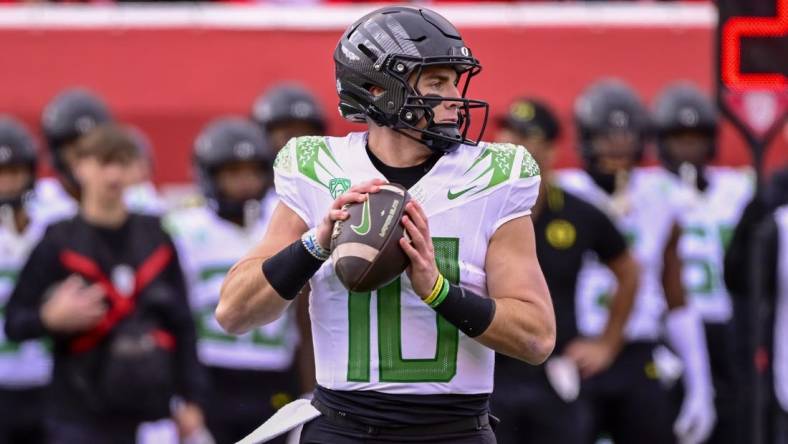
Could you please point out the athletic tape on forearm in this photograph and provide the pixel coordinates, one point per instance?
(466, 310)
(290, 269)
(687, 337)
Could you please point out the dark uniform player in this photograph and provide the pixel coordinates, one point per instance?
(286, 111)
(24, 367)
(709, 201)
(125, 343)
(612, 127)
(540, 404)
(251, 375)
(771, 285)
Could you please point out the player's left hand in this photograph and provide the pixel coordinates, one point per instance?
(592, 355)
(422, 271)
(696, 419)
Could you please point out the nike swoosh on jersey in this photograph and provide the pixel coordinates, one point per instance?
(453, 196)
(363, 228)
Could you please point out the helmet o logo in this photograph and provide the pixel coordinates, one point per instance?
(5, 154)
(301, 110)
(688, 117)
(85, 124)
(619, 119)
(244, 150)
(464, 51)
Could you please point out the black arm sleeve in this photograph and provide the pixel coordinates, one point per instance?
(609, 243)
(192, 377)
(23, 311)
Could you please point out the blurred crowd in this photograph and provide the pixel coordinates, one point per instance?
(664, 279)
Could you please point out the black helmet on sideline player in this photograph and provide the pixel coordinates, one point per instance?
(223, 142)
(611, 123)
(288, 102)
(390, 47)
(68, 116)
(17, 147)
(682, 109)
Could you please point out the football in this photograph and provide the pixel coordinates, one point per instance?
(365, 247)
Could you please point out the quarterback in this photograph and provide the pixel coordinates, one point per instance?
(390, 367)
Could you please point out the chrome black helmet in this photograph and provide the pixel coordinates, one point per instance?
(389, 48)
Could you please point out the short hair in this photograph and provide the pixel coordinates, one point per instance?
(108, 143)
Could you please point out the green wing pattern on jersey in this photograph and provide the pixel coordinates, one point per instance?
(284, 159)
(529, 168)
(313, 158)
(492, 168)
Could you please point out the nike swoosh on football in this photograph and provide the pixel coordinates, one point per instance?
(453, 196)
(363, 228)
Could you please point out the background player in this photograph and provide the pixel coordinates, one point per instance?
(612, 126)
(65, 119)
(709, 202)
(68, 116)
(537, 403)
(24, 367)
(411, 388)
(286, 111)
(251, 375)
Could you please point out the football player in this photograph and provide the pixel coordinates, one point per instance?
(252, 374)
(537, 403)
(67, 117)
(286, 111)
(612, 125)
(412, 361)
(24, 367)
(709, 201)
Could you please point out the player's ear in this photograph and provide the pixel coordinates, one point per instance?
(376, 90)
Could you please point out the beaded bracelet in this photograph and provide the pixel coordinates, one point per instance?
(309, 241)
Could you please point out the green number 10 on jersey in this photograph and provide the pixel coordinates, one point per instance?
(393, 367)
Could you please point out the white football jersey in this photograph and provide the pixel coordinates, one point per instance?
(26, 364)
(707, 220)
(207, 247)
(780, 361)
(51, 202)
(389, 340)
(646, 219)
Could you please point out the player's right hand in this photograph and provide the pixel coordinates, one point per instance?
(73, 306)
(355, 194)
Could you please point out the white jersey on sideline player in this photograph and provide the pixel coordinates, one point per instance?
(51, 202)
(646, 220)
(207, 247)
(707, 220)
(28, 364)
(389, 340)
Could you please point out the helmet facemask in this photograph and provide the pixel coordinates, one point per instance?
(416, 105)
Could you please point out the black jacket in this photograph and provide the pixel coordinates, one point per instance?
(139, 260)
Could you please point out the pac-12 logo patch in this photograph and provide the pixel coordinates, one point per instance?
(337, 186)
